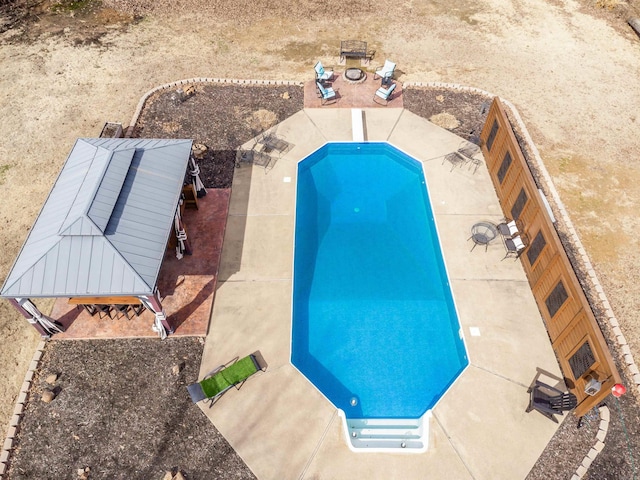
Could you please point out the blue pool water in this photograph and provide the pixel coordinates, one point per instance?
(374, 324)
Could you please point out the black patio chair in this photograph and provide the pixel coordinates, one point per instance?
(550, 401)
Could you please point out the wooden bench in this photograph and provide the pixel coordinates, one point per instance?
(354, 49)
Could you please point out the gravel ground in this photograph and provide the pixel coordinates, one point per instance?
(122, 396)
(221, 117)
(121, 411)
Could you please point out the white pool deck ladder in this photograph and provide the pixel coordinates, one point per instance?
(387, 435)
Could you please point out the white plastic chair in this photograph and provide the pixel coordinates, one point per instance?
(386, 71)
(383, 94)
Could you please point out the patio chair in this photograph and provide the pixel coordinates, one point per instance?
(515, 246)
(509, 229)
(322, 75)
(469, 152)
(384, 94)
(327, 94)
(223, 378)
(455, 159)
(385, 71)
(550, 401)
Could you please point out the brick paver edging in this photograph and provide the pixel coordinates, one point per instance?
(190, 81)
(598, 446)
(12, 431)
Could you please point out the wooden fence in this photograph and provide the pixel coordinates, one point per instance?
(575, 335)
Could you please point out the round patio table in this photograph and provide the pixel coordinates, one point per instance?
(483, 233)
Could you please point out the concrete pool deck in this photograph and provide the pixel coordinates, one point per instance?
(278, 422)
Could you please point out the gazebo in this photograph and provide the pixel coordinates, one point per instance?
(103, 230)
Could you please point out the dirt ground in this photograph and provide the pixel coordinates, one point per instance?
(571, 67)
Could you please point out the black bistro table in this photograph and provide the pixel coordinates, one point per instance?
(483, 233)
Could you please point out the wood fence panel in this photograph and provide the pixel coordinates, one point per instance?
(578, 332)
(575, 335)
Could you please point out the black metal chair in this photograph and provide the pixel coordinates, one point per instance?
(510, 229)
(515, 246)
(122, 311)
(104, 311)
(550, 401)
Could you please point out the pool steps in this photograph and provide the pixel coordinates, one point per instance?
(390, 435)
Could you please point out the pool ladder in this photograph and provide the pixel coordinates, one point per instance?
(397, 435)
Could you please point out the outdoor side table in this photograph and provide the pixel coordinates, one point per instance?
(483, 233)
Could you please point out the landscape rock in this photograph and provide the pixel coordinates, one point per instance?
(179, 476)
(198, 150)
(445, 120)
(83, 473)
(167, 476)
(176, 369)
(51, 379)
(189, 91)
(286, 96)
(183, 94)
(48, 396)
(262, 119)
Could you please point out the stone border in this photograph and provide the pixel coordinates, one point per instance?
(190, 81)
(597, 447)
(19, 408)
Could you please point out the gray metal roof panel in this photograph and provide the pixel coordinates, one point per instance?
(108, 190)
(65, 253)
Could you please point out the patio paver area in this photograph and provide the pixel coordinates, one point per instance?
(279, 423)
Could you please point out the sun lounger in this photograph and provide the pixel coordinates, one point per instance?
(217, 382)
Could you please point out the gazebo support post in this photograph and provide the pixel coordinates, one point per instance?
(183, 245)
(153, 303)
(32, 319)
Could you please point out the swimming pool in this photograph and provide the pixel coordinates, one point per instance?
(374, 324)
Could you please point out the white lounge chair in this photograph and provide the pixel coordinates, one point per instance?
(322, 74)
(386, 71)
(327, 94)
(383, 94)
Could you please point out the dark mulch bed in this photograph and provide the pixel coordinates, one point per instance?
(121, 411)
(222, 117)
(470, 109)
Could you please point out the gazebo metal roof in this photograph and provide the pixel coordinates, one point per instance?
(104, 228)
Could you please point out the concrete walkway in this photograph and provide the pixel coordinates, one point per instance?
(278, 422)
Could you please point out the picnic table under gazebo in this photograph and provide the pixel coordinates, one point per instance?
(102, 233)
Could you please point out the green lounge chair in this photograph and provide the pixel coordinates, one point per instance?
(218, 381)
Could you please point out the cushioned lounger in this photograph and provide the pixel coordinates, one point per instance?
(223, 378)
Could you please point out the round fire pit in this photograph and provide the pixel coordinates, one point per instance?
(354, 75)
